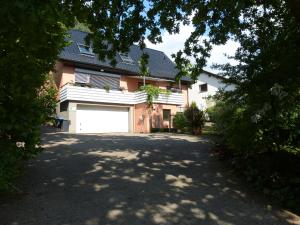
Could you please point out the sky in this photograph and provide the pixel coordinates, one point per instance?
(173, 43)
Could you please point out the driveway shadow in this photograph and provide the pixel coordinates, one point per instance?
(135, 180)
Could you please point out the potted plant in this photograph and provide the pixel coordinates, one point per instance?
(88, 85)
(106, 87)
(122, 89)
(180, 122)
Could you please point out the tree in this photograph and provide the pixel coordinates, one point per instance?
(195, 118)
(47, 96)
(81, 26)
(144, 69)
(32, 34)
(266, 104)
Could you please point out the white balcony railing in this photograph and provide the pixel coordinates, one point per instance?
(75, 93)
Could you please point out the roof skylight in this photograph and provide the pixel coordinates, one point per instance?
(84, 49)
(126, 58)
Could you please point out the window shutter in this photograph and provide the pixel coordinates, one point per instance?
(101, 81)
(82, 78)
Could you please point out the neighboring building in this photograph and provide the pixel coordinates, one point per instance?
(89, 107)
(207, 85)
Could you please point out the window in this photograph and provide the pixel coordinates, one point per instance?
(63, 106)
(166, 114)
(84, 49)
(203, 88)
(126, 58)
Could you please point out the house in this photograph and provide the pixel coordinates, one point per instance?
(207, 85)
(95, 97)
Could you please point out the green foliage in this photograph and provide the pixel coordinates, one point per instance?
(48, 98)
(31, 37)
(267, 162)
(10, 162)
(261, 117)
(144, 69)
(195, 118)
(153, 92)
(209, 131)
(106, 87)
(250, 130)
(276, 174)
(81, 26)
(180, 122)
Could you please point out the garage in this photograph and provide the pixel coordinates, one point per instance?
(101, 119)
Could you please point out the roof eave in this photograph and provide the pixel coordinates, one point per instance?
(86, 65)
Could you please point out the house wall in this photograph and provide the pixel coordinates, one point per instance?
(213, 85)
(141, 118)
(184, 89)
(157, 116)
(68, 75)
(57, 73)
(132, 83)
(143, 123)
(139, 114)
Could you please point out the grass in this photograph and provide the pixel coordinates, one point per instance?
(208, 131)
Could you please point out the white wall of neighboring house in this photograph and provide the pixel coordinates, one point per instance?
(213, 85)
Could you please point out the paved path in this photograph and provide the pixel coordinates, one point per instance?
(131, 180)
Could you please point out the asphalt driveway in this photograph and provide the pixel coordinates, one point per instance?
(132, 180)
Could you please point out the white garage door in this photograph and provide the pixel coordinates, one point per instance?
(95, 119)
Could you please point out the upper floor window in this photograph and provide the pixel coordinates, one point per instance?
(203, 87)
(126, 58)
(84, 49)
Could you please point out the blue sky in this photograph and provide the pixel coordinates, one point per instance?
(173, 43)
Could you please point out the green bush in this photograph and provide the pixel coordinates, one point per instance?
(262, 144)
(47, 98)
(276, 174)
(179, 121)
(20, 136)
(10, 159)
(195, 118)
(249, 128)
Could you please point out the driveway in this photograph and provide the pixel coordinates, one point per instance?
(132, 180)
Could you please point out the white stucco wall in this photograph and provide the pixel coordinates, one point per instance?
(213, 85)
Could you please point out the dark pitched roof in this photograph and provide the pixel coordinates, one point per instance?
(210, 74)
(160, 66)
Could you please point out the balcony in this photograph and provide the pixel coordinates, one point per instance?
(74, 93)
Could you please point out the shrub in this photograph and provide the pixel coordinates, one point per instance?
(106, 87)
(262, 144)
(256, 127)
(47, 98)
(20, 133)
(195, 118)
(179, 121)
